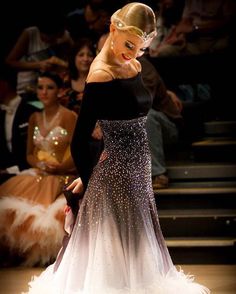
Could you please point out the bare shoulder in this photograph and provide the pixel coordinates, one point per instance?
(32, 117)
(70, 114)
(137, 65)
(35, 117)
(99, 75)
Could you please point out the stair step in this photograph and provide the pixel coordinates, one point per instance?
(198, 226)
(214, 142)
(197, 191)
(199, 242)
(215, 150)
(197, 213)
(202, 171)
(196, 198)
(220, 127)
(201, 184)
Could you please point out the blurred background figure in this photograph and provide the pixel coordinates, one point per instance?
(164, 120)
(204, 27)
(80, 59)
(39, 48)
(92, 20)
(31, 203)
(14, 116)
(168, 14)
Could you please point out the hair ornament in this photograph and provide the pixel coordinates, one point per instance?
(133, 29)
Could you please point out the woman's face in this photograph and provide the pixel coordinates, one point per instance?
(127, 46)
(47, 91)
(83, 59)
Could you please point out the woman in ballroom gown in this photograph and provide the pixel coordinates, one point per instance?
(116, 245)
(32, 203)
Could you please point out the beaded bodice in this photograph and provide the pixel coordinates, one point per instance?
(125, 140)
(54, 143)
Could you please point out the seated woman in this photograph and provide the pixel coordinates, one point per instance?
(31, 203)
(80, 59)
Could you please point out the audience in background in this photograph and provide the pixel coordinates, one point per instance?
(39, 48)
(31, 203)
(14, 116)
(80, 60)
(163, 122)
(93, 20)
(205, 27)
(168, 15)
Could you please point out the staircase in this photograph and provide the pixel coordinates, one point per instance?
(198, 211)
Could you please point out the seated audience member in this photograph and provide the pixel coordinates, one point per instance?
(31, 203)
(163, 121)
(168, 15)
(205, 27)
(91, 21)
(40, 48)
(81, 57)
(14, 116)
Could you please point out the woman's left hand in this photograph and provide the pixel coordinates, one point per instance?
(76, 186)
(53, 168)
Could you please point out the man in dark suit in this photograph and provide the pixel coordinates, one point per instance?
(14, 116)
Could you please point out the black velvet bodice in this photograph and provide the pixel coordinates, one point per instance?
(118, 99)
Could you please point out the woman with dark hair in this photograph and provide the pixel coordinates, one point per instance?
(31, 203)
(80, 59)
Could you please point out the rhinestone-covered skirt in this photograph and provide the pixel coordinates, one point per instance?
(116, 245)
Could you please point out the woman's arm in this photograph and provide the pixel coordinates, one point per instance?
(80, 145)
(21, 49)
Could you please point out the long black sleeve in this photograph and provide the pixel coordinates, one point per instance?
(82, 135)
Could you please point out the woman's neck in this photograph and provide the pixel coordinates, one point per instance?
(79, 84)
(82, 75)
(107, 54)
(50, 116)
(51, 109)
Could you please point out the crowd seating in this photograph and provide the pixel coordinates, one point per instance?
(198, 211)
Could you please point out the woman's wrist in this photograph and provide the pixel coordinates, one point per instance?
(41, 165)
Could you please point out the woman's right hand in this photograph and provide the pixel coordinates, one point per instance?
(97, 133)
(76, 186)
(44, 65)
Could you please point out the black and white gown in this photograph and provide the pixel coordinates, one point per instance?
(116, 246)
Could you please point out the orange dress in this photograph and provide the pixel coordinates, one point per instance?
(32, 203)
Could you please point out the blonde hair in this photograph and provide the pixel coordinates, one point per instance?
(137, 18)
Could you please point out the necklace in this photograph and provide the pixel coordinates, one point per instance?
(48, 124)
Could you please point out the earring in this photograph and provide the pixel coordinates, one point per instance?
(112, 45)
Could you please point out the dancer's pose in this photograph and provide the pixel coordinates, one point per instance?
(116, 245)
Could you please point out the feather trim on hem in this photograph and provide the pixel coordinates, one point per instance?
(175, 282)
(35, 231)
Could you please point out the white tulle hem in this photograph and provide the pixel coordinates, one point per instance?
(177, 283)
